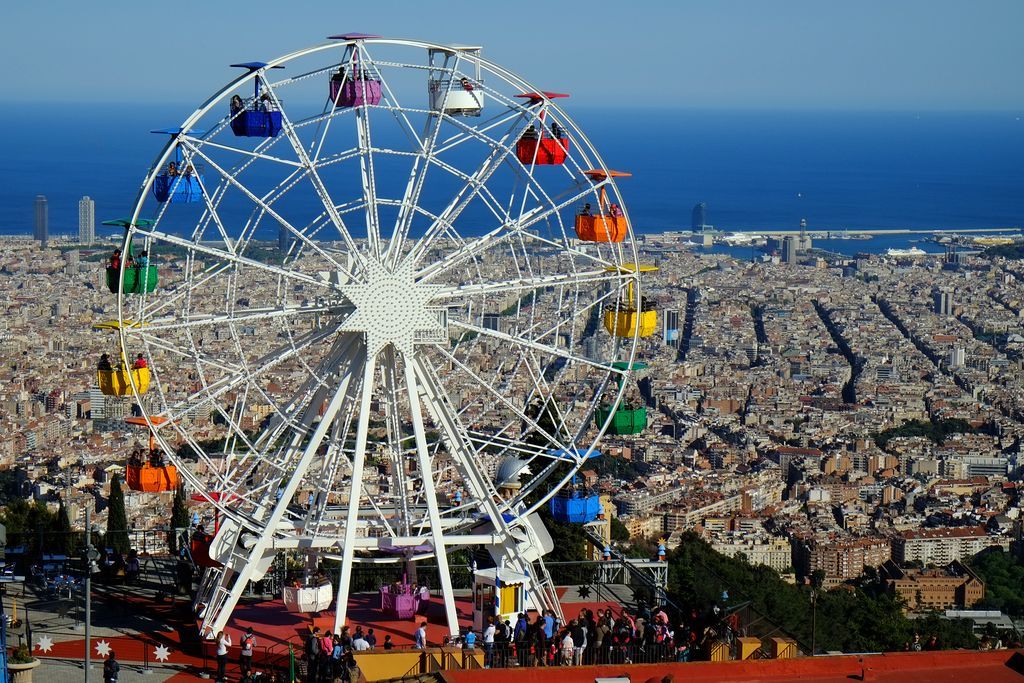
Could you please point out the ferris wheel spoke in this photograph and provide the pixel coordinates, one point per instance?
(314, 176)
(237, 376)
(465, 459)
(533, 283)
(355, 490)
(235, 258)
(231, 318)
(429, 494)
(414, 187)
(474, 185)
(247, 153)
(501, 234)
(484, 386)
(369, 180)
(531, 344)
(266, 208)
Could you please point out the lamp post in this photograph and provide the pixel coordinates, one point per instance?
(814, 615)
(91, 555)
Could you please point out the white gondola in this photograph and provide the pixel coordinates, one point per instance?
(308, 598)
(452, 90)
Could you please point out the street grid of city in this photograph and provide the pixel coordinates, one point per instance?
(767, 381)
(752, 441)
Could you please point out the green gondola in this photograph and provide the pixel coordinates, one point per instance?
(137, 280)
(630, 418)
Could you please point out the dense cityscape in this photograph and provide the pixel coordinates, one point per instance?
(820, 417)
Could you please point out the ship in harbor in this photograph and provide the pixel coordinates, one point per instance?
(912, 252)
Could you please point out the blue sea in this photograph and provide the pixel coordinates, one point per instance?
(755, 170)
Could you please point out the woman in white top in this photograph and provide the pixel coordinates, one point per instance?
(223, 643)
(567, 649)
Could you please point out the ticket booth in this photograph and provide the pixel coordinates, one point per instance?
(500, 593)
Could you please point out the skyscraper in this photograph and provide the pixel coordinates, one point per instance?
(86, 220)
(943, 299)
(42, 225)
(699, 217)
(789, 250)
(284, 239)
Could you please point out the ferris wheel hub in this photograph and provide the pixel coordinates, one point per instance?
(391, 307)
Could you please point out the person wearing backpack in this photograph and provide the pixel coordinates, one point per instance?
(247, 643)
(110, 669)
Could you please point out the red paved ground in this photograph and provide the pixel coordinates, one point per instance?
(1001, 666)
(275, 629)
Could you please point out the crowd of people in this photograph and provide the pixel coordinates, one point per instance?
(330, 657)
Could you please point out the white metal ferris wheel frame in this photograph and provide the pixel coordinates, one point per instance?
(423, 389)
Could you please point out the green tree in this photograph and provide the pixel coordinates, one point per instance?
(117, 522)
(619, 531)
(179, 518)
(1003, 575)
(63, 540)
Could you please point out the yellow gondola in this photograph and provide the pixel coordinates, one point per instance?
(631, 318)
(118, 382)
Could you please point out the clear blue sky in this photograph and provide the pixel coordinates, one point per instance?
(831, 54)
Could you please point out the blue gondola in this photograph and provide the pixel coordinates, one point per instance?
(177, 188)
(180, 182)
(575, 507)
(256, 124)
(251, 121)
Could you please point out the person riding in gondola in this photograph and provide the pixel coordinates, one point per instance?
(530, 133)
(142, 262)
(135, 460)
(267, 104)
(140, 362)
(104, 364)
(115, 259)
(236, 105)
(172, 169)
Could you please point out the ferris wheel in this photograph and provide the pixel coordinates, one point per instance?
(390, 304)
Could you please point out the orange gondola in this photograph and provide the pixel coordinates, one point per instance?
(147, 477)
(608, 224)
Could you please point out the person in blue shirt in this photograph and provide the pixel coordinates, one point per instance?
(549, 624)
(469, 639)
(421, 636)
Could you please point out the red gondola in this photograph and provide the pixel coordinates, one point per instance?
(543, 147)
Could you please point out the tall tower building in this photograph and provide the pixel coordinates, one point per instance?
(804, 243)
(789, 246)
(284, 239)
(943, 299)
(671, 332)
(86, 220)
(41, 231)
(698, 219)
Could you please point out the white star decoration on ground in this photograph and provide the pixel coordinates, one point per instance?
(391, 308)
(162, 653)
(103, 648)
(44, 644)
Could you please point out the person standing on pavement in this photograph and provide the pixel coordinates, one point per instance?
(247, 643)
(489, 632)
(111, 668)
(223, 643)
